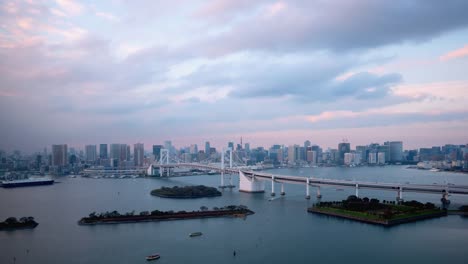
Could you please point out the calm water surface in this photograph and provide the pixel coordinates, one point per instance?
(280, 231)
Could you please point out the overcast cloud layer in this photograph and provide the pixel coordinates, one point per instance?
(270, 71)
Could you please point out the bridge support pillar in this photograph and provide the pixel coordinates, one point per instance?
(445, 201)
(272, 186)
(250, 184)
(222, 180)
(319, 195)
(307, 189)
(357, 190)
(282, 189)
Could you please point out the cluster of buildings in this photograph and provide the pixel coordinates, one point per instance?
(62, 160)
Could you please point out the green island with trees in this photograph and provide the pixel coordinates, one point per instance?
(186, 192)
(115, 217)
(372, 211)
(12, 223)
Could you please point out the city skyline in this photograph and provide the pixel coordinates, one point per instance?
(194, 71)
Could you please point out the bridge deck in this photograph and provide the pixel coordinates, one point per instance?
(421, 188)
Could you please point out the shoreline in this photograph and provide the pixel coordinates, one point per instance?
(168, 217)
(383, 222)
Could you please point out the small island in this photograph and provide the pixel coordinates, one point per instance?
(186, 192)
(115, 217)
(12, 223)
(372, 211)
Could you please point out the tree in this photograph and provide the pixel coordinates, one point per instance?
(204, 208)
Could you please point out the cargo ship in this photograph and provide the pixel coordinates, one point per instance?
(27, 182)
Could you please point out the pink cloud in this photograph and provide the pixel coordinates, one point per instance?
(454, 54)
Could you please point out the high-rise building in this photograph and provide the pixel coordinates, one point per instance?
(293, 153)
(306, 144)
(343, 148)
(395, 149)
(157, 151)
(207, 148)
(381, 158)
(120, 152)
(312, 156)
(364, 152)
(114, 151)
(168, 146)
(231, 145)
(59, 155)
(194, 149)
(385, 149)
(247, 147)
(128, 153)
(372, 158)
(90, 153)
(103, 151)
(138, 154)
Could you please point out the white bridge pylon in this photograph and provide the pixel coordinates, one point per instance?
(223, 167)
(164, 159)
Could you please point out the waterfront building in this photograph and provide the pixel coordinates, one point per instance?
(90, 153)
(312, 157)
(364, 152)
(395, 151)
(372, 159)
(103, 151)
(343, 148)
(59, 155)
(138, 154)
(348, 158)
(381, 158)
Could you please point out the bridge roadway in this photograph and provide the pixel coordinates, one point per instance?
(317, 182)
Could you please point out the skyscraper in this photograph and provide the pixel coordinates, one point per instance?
(59, 155)
(207, 148)
(231, 145)
(103, 151)
(90, 153)
(157, 151)
(306, 144)
(138, 154)
(396, 151)
(343, 148)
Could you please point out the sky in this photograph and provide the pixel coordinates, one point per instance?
(271, 72)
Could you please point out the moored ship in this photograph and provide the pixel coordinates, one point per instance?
(27, 182)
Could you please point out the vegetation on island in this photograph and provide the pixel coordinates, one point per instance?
(198, 191)
(13, 223)
(374, 211)
(156, 215)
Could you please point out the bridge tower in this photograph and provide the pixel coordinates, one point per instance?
(164, 160)
(223, 153)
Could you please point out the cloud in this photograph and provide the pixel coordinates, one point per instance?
(340, 26)
(70, 7)
(454, 54)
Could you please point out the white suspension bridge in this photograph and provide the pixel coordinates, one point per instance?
(254, 181)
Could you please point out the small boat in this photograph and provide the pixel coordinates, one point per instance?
(153, 257)
(194, 234)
